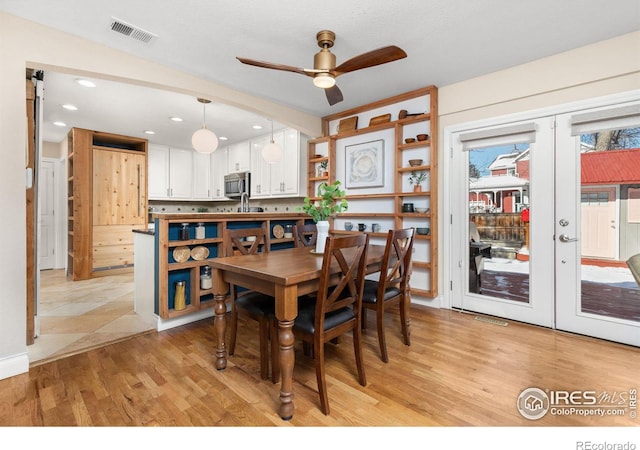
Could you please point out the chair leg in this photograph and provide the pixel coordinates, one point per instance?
(357, 348)
(318, 350)
(233, 331)
(307, 349)
(264, 348)
(363, 321)
(381, 337)
(405, 320)
(275, 351)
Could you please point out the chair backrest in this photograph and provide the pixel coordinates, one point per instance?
(305, 235)
(236, 243)
(396, 263)
(349, 254)
(634, 265)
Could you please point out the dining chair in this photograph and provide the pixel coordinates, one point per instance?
(305, 235)
(255, 305)
(392, 285)
(338, 307)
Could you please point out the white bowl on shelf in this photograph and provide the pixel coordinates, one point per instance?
(422, 210)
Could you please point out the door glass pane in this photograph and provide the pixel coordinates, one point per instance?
(610, 222)
(498, 205)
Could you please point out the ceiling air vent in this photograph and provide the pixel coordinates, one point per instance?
(132, 31)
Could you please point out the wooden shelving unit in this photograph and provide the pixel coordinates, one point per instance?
(385, 204)
(170, 271)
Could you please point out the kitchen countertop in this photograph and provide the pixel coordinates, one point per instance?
(149, 231)
(230, 216)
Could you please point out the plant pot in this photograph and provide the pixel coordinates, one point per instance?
(323, 232)
(417, 188)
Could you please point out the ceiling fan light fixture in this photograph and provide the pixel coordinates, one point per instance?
(204, 140)
(324, 80)
(272, 153)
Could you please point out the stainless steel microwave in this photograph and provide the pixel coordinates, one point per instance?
(235, 184)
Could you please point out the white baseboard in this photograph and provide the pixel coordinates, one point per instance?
(14, 365)
(165, 324)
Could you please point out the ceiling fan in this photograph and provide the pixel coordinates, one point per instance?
(325, 71)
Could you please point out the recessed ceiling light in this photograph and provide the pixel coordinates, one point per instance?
(60, 124)
(149, 132)
(223, 138)
(85, 83)
(176, 119)
(257, 127)
(70, 107)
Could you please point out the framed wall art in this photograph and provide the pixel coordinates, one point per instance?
(364, 165)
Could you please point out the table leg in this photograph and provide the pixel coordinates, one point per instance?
(287, 361)
(220, 327)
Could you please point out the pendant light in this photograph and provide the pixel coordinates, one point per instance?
(204, 140)
(272, 153)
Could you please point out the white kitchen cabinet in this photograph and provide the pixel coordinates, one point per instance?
(285, 181)
(239, 157)
(180, 173)
(219, 169)
(260, 170)
(158, 166)
(286, 178)
(201, 176)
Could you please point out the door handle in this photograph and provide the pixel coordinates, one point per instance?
(565, 238)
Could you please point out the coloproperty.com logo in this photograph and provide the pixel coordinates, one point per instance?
(535, 403)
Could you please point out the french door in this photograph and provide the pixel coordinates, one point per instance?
(501, 263)
(539, 233)
(595, 294)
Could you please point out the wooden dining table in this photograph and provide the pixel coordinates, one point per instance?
(285, 275)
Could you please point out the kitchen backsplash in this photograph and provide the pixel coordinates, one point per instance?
(269, 205)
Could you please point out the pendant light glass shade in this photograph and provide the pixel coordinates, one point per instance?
(272, 153)
(204, 140)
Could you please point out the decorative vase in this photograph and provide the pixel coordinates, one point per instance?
(417, 188)
(323, 232)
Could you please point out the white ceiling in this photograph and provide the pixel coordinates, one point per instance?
(447, 41)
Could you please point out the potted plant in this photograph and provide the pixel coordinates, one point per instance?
(416, 179)
(331, 201)
(324, 168)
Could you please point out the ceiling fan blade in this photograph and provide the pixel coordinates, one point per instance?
(268, 65)
(334, 95)
(373, 58)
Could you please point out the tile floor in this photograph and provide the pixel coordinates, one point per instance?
(79, 315)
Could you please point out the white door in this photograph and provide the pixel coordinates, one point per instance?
(593, 296)
(504, 270)
(46, 217)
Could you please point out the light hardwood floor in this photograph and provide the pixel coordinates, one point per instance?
(76, 316)
(458, 372)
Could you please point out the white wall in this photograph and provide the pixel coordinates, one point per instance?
(603, 68)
